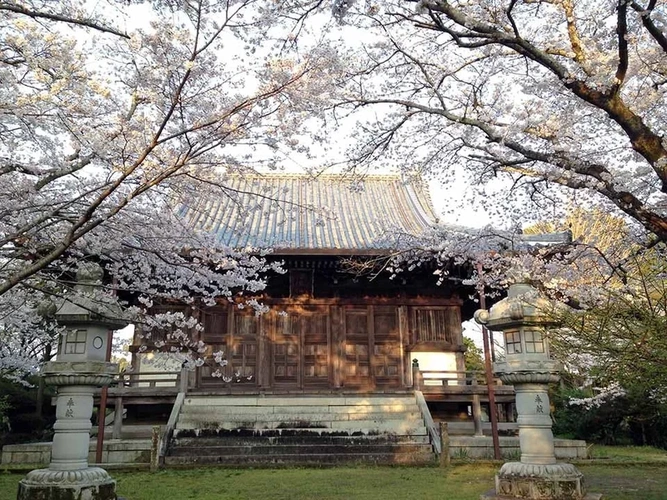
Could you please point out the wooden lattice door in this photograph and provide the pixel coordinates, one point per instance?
(301, 350)
(357, 370)
(373, 356)
(386, 344)
(316, 350)
(235, 335)
(286, 356)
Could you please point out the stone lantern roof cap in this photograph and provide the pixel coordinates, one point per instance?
(523, 306)
(86, 307)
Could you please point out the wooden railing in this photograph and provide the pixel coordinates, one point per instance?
(425, 378)
(429, 423)
(151, 379)
(168, 430)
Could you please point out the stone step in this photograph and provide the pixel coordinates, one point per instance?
(286, 410)
(205, 415)
(421, 457)
(297, 400)
(276, 438)
(298, 449)
(364, 426)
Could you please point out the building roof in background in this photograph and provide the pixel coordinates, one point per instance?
(302, 214)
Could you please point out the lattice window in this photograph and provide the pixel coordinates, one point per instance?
(75, 342)
(215, 326)
(246, 325)
(513, 343)
(434, 325)
(534, 342)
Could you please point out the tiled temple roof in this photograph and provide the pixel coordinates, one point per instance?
(302, 214)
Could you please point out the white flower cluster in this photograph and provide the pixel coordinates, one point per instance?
(602, 395)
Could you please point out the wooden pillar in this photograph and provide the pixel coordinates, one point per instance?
(184, 379)
(416, 375)
(155, 442)
(101, 414)
(118, 419)
(263, 360)
(404, 336)
(445, 458)
(477, 415)
(337, 346)
(510, 412)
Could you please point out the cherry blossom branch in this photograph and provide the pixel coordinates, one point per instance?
(645, 14)
(644, 140)
(36, 14)
(622, 33)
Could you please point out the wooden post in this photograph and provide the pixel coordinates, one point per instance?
(445, 459)
(155, 442)
(489, 376)
(477, 415)
(338, 346)
(101, 415)
(416, 375)
(184, 379)
(118, 419)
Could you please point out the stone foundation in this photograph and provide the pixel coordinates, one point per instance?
(482, 448)
(559, 481)
(115, 451)
(92, 483)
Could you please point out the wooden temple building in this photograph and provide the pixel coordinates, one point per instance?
(339, 324)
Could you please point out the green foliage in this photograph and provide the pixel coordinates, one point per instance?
(473, 356)
(637, 417)
(22, 420)
(4, 413)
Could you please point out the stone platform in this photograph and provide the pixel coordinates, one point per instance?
(115, 451)
(478, 447)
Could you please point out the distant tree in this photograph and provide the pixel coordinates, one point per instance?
(619, 293)
(612, 342)
(473, 357)
(554, 97)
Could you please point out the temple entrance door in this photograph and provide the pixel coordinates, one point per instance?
(387, 354)
(357, 362)
(234, 334)
(316, 351)
(301, 350)
(373, 357)
(286, 356)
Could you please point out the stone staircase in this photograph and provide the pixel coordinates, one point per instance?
(299, 430)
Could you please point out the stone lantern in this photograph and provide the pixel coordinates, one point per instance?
(80, 368)
(528, 367)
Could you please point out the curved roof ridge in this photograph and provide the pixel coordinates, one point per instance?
(331, 175)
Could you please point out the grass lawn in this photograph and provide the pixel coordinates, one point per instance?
(629, 454)
(459, 482)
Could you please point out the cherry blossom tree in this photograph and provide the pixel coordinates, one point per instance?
(106, 129)
(555, 97)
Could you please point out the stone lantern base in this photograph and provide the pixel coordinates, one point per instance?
(92, 483)
(539, 482)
